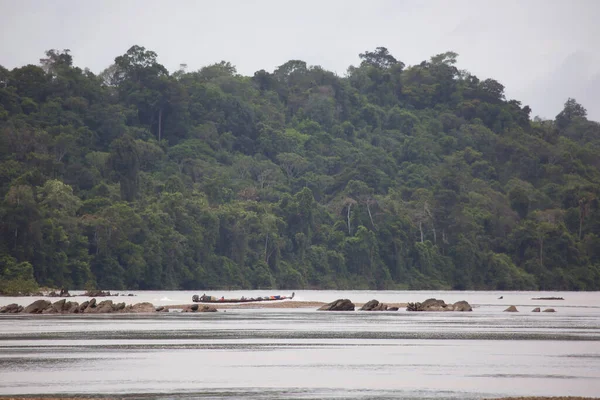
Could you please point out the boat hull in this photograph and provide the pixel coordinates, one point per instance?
(212, 300)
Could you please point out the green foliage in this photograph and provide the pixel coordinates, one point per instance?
(16, 278)
(394, 176)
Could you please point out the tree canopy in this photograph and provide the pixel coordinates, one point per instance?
(392, 176)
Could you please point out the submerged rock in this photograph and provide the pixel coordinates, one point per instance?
(549, 310)
(439, 305)
(537, 309)
(338, 305)
(511, 309)
(198, 308)
(13, 308)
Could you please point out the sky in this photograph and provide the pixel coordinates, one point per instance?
(542, 51)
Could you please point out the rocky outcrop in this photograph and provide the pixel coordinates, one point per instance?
(375, 305)
(11, 309)
(37, 307)
(140, 308)
(63, 293)
(338, 305)
(103, 307)
(537, 309)
(549, 310)
(198, 308)
(462, 306)
(97, 293)
(88, 307)
(439, 305)
(511, 309)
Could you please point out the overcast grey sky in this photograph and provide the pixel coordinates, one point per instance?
(543, 51)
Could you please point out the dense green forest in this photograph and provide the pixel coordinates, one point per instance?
(389, 177)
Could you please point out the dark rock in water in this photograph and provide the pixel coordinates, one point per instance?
(511, 309)
(83, 306)
(59, 306)
(392, 309)
(537, 309)
(37, 307)
(50, 310)
(11, 309)
(97, 293)
(91, 304)
(439, 305)
(120, 306)
(434, 305)
(462, 306)
(71, 307)
(428, 305)
(159, 308)
(338, 305)
(53, 294)
(198, 308)
(103, 307)
(549, 310)
(140, 308)
(375, 305)
(131, 294)
(370, 305)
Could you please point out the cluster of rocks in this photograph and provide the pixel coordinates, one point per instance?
(439, 305)
(198, 308)
(537, 309)
(101, 293)
(65, 293)
(375, 305)
(92, 307)
(72, 307)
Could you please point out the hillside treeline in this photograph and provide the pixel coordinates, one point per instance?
(389, 177)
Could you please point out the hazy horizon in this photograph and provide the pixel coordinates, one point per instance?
(543, 52)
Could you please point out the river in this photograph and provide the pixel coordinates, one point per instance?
(299, 353)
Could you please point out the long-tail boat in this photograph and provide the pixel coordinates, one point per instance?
(214, 299)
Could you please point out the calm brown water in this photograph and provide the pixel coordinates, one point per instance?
(305, 354)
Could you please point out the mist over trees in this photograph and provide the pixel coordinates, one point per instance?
(390, 177)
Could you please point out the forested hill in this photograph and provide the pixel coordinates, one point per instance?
(392, 176)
